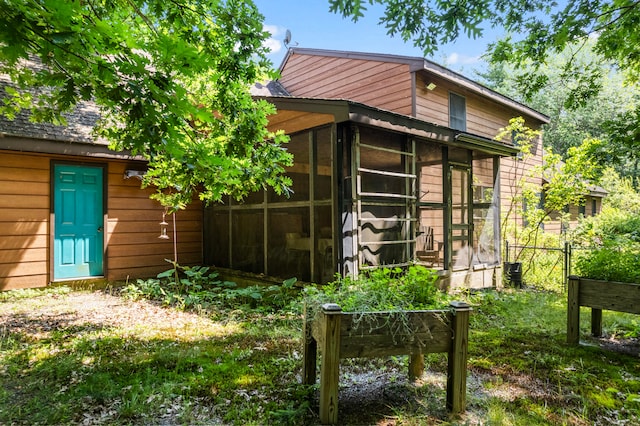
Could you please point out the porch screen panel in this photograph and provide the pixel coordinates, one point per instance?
(217, 229)
(289, 243)
(299, 172)
(430, 230)
(486, 222)
(385, 194)
(247, 240)
(460, 222)
(323, 165)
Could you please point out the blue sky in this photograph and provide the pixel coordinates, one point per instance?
(313, 26)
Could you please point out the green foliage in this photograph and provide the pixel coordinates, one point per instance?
(197, 287)
(171, 79)
(612, 246)
(141, 369)
(567, 49)
(382, 289)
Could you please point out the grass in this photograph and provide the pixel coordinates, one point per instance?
(242, 366)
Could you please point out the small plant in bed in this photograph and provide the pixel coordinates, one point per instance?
(380, 290)
(200, 288)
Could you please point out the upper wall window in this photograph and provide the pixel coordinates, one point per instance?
(457, 112)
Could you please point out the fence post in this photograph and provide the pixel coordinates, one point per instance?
(457, 362)
(330, 370)
(573, 311)
(309, 352)
(567, 265)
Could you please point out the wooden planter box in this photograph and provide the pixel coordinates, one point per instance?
(598, 295)
(377, 334)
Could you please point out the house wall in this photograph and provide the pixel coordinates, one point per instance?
(384, 85)
(133, 247)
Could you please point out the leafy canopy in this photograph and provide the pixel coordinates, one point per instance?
(172, 79)
(534, 28)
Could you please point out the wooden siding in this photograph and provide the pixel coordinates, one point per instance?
(133, 247)
(24, 222)
(379, 84)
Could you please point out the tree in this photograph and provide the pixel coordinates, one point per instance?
(534, 29)
(570, 124)
(172, 79)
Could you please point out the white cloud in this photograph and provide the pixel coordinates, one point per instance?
(274, 43)
(459, 59)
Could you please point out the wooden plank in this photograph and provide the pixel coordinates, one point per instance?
(158, 247)
(10, 174)
(23, 242)
(153, 226)
(15, 283)
(116, 239)
(24, 161)
(154, 215)
(22, 188)
(388, 323)
(24, 201)
(131, 262)
(457, 362)
(23, 269)
(25, 228)
(573, 311)
(23, 255)
(330, 372)
(24, 215)
(373, 346)
(613, 296)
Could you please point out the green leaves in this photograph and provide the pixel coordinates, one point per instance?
(172, 80)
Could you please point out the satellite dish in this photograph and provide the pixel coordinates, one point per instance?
(287, 38)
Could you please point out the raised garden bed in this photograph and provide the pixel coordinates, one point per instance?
(339, 335)
(598, 295)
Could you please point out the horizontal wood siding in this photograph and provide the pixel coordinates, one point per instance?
(24, 222)
(383, 85)
(484, 116)
(133, 228)
(133, 247)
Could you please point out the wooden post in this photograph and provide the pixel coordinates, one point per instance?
(596, 322)
(457, 362)
(330, 371)
(416, 366)
(573, 311)
(309, 352)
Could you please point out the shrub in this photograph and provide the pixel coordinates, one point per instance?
(197, 287)
(613, 239)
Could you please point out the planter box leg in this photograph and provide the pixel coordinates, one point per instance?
(330, 370)
(416, 366)
(573, 311)
(457, 365)
(309, 353)
(596, 322)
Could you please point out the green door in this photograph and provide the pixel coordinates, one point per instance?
(79, 221)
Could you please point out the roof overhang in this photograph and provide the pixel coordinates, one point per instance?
(46, 146)
(297, 114)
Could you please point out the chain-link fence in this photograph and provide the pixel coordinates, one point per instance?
(546, 268)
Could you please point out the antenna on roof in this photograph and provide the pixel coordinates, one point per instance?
(287, 39)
